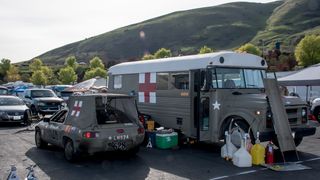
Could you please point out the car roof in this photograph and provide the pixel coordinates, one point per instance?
(39, 89)
(103, 95)
(2, 87)
(9, 96)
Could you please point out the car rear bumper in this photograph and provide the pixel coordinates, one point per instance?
(299, 133)
(103, 145)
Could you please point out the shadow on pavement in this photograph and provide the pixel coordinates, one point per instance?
(100, 166)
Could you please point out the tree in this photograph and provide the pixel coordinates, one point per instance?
(39, 78)
(13, 74)
(308, 50)
(148, 57)
(95, 72)
(36, 65)
(72, 62)
(96, 62)
(163, 53)
(67, 75)
(250, 48)
(5, 65)
(205, 49)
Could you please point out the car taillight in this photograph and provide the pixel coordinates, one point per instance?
(312, 117)
(89, 135)
(141, 118)
(140, 130)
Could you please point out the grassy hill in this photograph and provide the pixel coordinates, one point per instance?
(221, 27)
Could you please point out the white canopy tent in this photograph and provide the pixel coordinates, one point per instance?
(306, 77)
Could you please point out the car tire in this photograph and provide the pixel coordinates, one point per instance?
(316, 113)
(34, 111)
(69, 152)
(38, 140)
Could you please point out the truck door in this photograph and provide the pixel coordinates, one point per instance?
(201, 106)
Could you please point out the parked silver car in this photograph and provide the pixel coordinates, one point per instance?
(14, 110)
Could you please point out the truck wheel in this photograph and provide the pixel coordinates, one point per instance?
(316, 113)
(237, 136)
(69, 153)
(39, 142)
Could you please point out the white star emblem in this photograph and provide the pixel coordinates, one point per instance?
(216, 105)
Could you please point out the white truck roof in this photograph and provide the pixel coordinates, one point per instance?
(185, 63)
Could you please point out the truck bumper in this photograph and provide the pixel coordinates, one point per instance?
(299, 133)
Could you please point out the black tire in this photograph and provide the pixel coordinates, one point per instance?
(27, 119)
(38, 140)
(69, 152)
(34, 111)
(297, 141)
(243, 125)
(316, 113)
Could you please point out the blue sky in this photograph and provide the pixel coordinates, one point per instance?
(32, 27)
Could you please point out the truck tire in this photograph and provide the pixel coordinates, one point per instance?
(316, 113)
(38, 140)
(244, 126)
(69, 152)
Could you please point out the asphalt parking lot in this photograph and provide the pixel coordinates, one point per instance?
(17, 148)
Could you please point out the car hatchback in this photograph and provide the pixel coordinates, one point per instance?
(93, 123)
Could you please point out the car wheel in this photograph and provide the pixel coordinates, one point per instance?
(39, 142)
(316, 113)
(69, 152)
(34, 111)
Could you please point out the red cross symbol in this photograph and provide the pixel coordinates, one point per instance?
(76, 108)
(147, 89)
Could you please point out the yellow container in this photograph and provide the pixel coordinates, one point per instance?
(258, 153)
(150, 125)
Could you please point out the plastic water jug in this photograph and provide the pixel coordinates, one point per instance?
(242, 158)
(258, 152)
(228, 149)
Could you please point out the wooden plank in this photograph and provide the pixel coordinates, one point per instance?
(280, 118)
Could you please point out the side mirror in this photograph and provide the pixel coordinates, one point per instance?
(207, 81)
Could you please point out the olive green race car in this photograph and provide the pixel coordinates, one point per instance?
(93, 123)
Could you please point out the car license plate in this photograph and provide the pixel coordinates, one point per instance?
(16, 117)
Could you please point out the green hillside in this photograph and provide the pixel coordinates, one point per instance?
(221, 27)
(290, 22)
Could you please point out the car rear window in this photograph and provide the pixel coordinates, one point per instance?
(116, 110)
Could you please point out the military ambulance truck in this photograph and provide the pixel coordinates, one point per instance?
(200, 95)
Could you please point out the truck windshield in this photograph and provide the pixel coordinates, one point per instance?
(42, 93)
(116, 110)
(228, 78)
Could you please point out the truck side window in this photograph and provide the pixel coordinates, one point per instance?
(162, 81)
(179, 80)
(117, 82)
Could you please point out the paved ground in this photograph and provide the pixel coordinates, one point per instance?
(197, 162)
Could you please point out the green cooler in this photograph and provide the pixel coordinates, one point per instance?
(167, 141)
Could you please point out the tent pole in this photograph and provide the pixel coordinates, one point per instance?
(307, 93)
